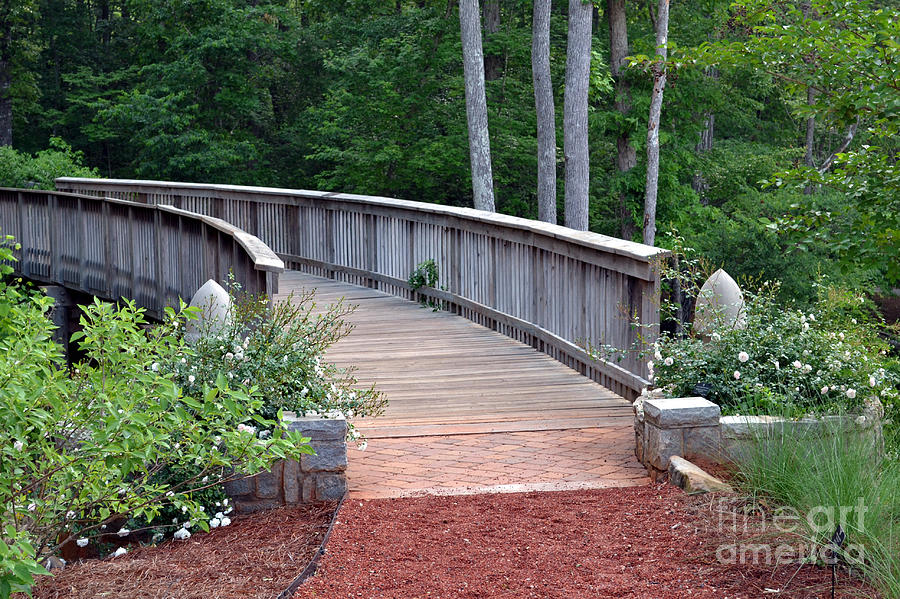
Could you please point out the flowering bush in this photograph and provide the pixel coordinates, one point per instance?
(83, 450)
(278, 351)
(783, 360)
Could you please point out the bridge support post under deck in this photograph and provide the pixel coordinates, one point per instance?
(61, 314)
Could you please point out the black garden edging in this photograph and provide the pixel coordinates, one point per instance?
(313, 564)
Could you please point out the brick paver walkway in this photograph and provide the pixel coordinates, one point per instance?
(518, 461)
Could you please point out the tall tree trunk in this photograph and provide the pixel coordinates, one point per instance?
(809, 159)
(6, 117)
(626, 156)
(493, 63)
(546, 111)
(575, 114)
(476, 106)
(656, 99)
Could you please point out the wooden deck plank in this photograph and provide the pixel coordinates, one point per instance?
(441, 372)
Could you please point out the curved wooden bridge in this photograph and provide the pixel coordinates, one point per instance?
(520, 300)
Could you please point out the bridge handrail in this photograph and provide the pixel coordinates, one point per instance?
(112, 248)
(546, 285)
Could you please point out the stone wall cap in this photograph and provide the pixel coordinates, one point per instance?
(681, 412)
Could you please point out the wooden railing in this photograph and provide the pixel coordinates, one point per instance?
(112, 248)
(551, 287)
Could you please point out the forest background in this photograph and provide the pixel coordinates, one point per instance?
(777, 136)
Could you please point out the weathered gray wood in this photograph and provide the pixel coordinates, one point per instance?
(545, 285)
(119, 246)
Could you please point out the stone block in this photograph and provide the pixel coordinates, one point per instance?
(680, 412)
(308, 488)
(330, 487)
(703, 441)
(662, 444)
(693, 479)
(639, 447)
(318, 429)
(291, 481)
(268, 485)
(331, 456)
(239, 487)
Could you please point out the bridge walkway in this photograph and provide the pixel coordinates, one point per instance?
(470, 409)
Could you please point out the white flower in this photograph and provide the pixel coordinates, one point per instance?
(170, 493)
(225, 501)
(796, 364)
(191, 379)
(777, 365)
(219, 515)
(184, 509)
(32, 507)
(155, 367)
(669, 361)
(246, 429)
(851, 393)
(715, 337)
(182, 534)
(812, 317)
(805, 327)
(82, 542)
(229, 356)
(657, 355)
(737, 375)
(204, 479)
(824, 389)
(362, 446)
(120, 552)
(743, 356)
(225, 521)
(70, 514)
(123, 532)
(183, 361)
(853, 320)
(872, 381)
(18, 445)
(841, 335)
(214, 523)
(807, 368)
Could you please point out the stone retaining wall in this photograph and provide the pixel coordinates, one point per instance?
(320, 477)
(693, 427)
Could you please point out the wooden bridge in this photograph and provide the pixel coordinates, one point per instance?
(520, 299)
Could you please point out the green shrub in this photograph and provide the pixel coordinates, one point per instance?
(278, 350)
(41, 170)
(85, 449)
(784, 360)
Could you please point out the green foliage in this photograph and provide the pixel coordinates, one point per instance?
(784, 360)
(82, 450)
(821, 480)
(845, 53)
(18, 169)
(278, 351)
(425, 275)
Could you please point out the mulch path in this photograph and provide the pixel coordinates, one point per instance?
(256, 556)
(650, 542)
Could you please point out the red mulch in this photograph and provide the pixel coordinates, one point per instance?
(645, 542)
(650, 542)
(257, 556)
